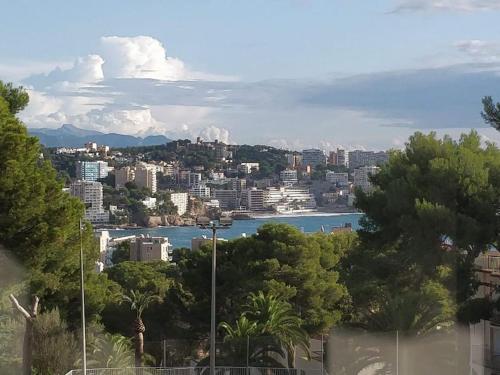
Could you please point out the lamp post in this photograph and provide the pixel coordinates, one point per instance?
(205, 223)
(82, 291)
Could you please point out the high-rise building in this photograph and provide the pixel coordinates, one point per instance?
(359, 158)
(362, 177)
(255, 199)
(90, 193)
(145, 177)
(294, 160)
(91, 170)
(180, 200)
(332, 158)
(145, 248)
(336, 178)
(238, 184)
(289, 176)
(124, 175)
(228, 199)
(341, 157)
(194, 178)
(313, 157)
(200, 191)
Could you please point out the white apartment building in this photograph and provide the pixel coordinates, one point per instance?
(145, 248)
(337, 178)
(289, 199)
(201, 191)
(289, 176)
(362, 175)
(90, 193)
(145, 177)
(180, 200)
(360, 158)
(248, 168)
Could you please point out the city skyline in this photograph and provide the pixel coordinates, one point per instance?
(292, 74)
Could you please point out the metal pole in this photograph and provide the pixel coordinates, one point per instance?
(212, 310)
(82, 286)
(322, 355)
(397, 352)
(164, 342)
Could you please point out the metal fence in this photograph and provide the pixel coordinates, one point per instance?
(196, 371)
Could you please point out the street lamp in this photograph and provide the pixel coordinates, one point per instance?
(82, 291)
(204, 222)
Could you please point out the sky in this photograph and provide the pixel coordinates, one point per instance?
(289, 73)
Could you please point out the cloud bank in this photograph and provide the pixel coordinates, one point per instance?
(130, 85)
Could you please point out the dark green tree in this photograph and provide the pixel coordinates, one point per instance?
(279, 259)
(431, 213)
(491, 112)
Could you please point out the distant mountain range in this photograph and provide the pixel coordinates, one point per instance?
(70, 136)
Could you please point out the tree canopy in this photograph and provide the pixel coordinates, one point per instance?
(433, 211)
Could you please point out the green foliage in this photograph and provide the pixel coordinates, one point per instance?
(121, 253)
(270, 325)
(278, 259)
(111, 351)
(139, 301)
(16, 97)
(432, 213)
(491, 112)
(55, 348)
(39, 222)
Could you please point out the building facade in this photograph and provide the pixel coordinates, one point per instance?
(359, 158)
(313, 157)
(145, 177)
(289, 177)
(145, 248)
(362, 175)
(228, 199)
(91, 170)
(337, 178)
(124, 175)
(180, 200)
(90, 193)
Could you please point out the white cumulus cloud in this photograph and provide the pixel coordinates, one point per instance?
(140, 57)
(211, 133)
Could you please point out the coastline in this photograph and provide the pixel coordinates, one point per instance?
(302, 214)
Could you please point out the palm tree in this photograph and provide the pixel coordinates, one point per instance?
(243, 345)
(276, 318)
(139, 302)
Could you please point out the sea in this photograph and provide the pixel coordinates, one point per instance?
(181, 236)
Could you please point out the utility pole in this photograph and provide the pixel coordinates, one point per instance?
(82, 290)
(206, 223)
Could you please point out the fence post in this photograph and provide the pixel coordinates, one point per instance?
(248, 354)
(397, 352)
(164, 345)
(322, 356)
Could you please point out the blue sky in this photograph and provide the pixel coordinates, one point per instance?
(294, 73)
